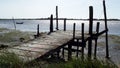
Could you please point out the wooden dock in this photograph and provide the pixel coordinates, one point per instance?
(43, 45)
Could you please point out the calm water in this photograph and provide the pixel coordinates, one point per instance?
(31, 25)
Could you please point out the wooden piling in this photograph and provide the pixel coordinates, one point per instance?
(83, 42)
(90, 31)
(96, 38)
(69, 51)
(38, 30)
(64, 24)
(51, 23)
(57, 18)
(63, 53)
(74, 25)
(77, 48)
(106, 38)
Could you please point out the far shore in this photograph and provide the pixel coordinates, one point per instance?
(95, 19)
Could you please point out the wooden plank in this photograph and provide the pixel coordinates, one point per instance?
(43, 45)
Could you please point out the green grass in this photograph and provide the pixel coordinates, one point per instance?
(79, 63)
(12, 61)
(12, 37)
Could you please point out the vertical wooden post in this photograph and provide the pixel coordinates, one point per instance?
(69, 51)
(14, 23)
(83, 42)
(63, 53)
(96, 38)
(74, 25)
(64, 24)
(105, 16)
(58, 54)
(38, 30)
(90, 31)
(57, 18)
(77, 48)
(51, 23)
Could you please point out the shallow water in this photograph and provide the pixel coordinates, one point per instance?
(31, 25)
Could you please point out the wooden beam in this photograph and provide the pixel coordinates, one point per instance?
(97, 30)
(64, 24)
(106, 38)
(90, 31)
(51, 23)
(57, 18)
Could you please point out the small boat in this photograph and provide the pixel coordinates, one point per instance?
(19, 22)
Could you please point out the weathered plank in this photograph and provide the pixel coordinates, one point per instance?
(41, 45)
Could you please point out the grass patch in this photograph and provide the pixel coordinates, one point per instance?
(79, 63)
(3, 29)
(12, 61)
(13, 37)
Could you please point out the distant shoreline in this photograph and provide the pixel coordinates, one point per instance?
(61, 19)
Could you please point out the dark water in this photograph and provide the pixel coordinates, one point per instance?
(31, 25)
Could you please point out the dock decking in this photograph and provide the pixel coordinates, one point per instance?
(44, 44)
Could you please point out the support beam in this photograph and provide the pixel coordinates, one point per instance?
(57, 18)
(64, 24)
(90, 31)
(106, 38)
(83, 41)
(51, 23)
(38, 30)
(74, 25)
(97, 31)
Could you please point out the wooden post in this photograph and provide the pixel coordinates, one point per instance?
(83, 42)
(69, 51)
(38, 30)
(58, 54)
(63, 53)
(97, 31)
(77, 48)
(51, 23)
(14, 23)
(90, 31)
(64, 24)
(105, 16)
(57, 18)
(74, 25)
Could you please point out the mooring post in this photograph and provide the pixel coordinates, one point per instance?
(83, 41)
(74, 25)
(77, 48)
(58, 54)
(64, 24)
(38, 30)
(105, 16)
(96, 38)
(57, 18)
(69, 51)
(51, 23)
(90, 31)
(63, 52)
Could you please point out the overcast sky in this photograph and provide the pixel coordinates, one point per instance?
(67, 8)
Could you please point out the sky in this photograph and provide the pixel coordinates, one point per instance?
(66, 8)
